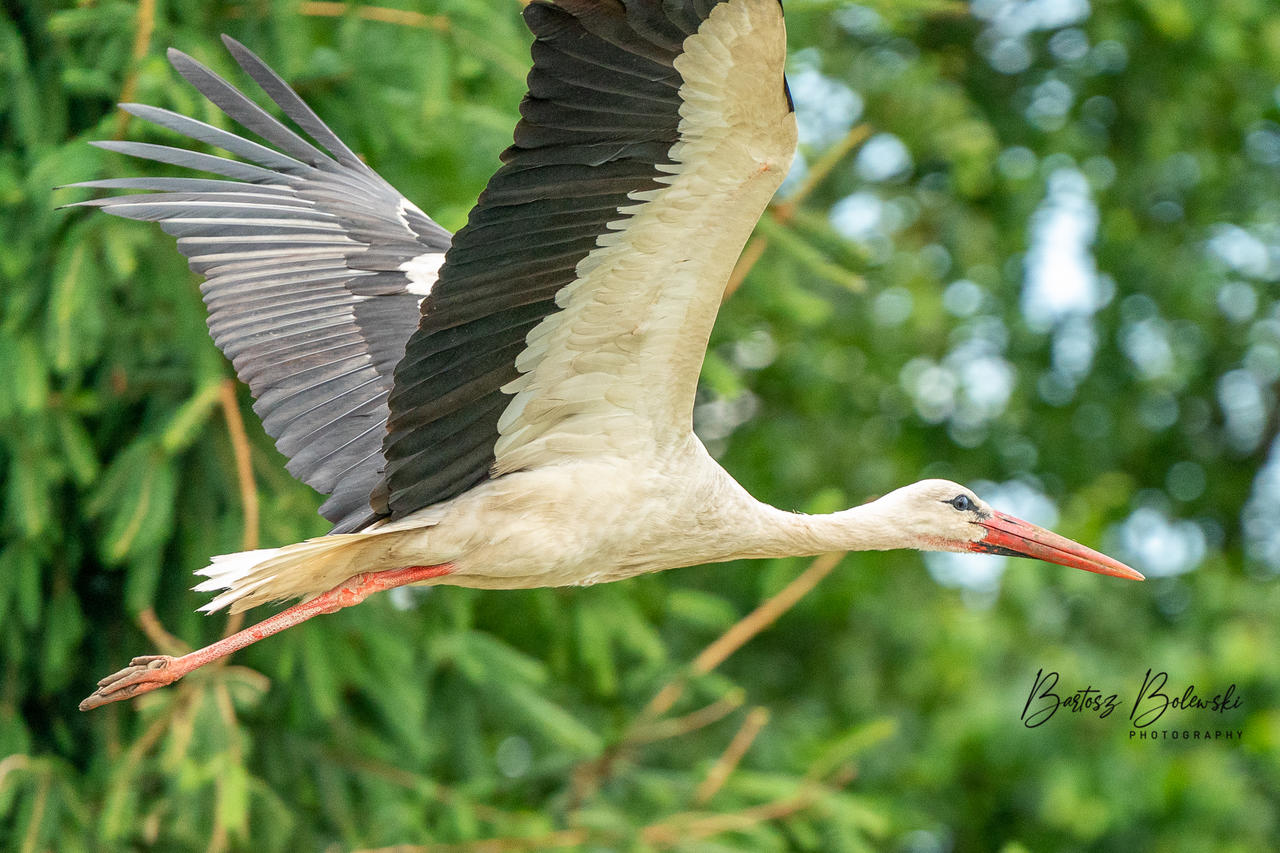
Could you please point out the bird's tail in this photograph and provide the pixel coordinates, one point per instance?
(250, 578)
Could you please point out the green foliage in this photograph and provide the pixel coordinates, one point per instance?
(857, 355)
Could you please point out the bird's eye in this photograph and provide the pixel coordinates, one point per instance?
(962, 503)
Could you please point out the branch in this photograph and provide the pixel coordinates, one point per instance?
(244, 462)
(681, 828)
(401, 17)
(550, 841)
(222, 700)
(590, 774)
(144, 26)
(746, 262)
(689, 723)
(244, 478)
(728, 762)
(156, 633)
(668, 832)
(828, 161)
(678, 829)
(31, 841)
(428, 788)
(783, 212)
(741, 632)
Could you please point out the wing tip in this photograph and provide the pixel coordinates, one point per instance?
(241, 54)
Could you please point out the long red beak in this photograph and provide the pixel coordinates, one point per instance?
(1017, 538)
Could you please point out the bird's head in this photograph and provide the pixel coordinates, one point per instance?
(938, 515)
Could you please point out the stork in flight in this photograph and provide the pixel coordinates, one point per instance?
(511, 406)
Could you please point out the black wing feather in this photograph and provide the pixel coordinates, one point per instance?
(301, 249)
(602, 113)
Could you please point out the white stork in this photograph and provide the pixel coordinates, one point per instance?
(511, 406)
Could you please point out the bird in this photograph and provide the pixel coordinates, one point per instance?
(509, 406)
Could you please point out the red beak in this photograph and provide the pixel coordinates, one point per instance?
(1017, 538)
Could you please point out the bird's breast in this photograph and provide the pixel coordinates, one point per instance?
(577, 524)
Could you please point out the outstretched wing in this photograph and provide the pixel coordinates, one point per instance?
(572, 312)
(314, 269)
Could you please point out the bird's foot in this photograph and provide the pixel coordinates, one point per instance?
(144, 674)
(150, 672)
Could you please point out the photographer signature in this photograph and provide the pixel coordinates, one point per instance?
(1154, 699)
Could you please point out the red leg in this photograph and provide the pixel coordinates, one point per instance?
(150, 672)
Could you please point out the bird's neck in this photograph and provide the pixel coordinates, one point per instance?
(772, 532)
(740, 527)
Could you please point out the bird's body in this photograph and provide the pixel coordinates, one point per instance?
(578, 523)
(511, 406)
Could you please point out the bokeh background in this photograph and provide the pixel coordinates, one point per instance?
(1031, 245)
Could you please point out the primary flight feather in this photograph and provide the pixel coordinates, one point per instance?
(511, 406)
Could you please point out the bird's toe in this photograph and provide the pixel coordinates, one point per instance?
(143, 675)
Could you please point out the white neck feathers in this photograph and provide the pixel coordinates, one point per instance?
(777, 533)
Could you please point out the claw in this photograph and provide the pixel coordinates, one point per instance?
(143, 675)
(145, 661)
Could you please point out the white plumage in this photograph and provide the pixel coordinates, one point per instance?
(536, 427)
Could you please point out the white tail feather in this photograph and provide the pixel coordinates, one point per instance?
(308, 568)
(229, 572)
(226, 569)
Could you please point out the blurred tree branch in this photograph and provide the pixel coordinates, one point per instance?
(589, 775)
(144, 26)
(752, 725)
(384, 14)
(783, 212)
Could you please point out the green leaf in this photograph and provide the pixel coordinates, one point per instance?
(63, 630)
(635, 634)
(72, 323)
(28, 503)
(553, 721)
(321, 680)
(27, 377)
(143, 579)
(703, 610)
(20, 583)
(23, 99)
(595, 647)
(185, 425)
(810, 257)
(99, 19)
(488, 659)
(135, 499)
(233, 797)
(26, 579)
(853, 744)
(77, 449)
(720, 376)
